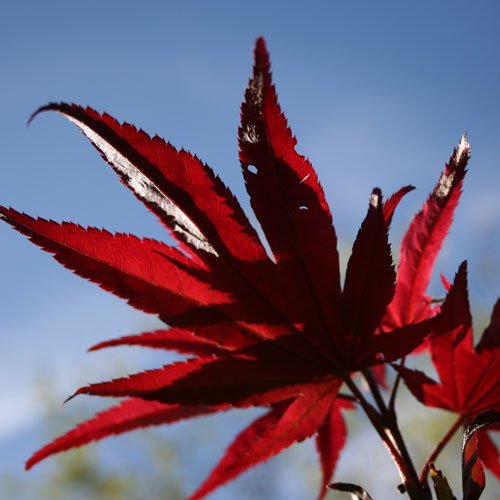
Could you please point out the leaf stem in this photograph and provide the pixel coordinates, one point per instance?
(395, 387)
(439, 448)
(374, 389)
(414, 487)
(371, 413)
(376, 420)
(347, 397)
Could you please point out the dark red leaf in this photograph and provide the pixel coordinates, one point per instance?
(397, 343)
(370, 276)
(289, 203)
(248, 378)
(182, 341)
(144, 382)
(491, 336)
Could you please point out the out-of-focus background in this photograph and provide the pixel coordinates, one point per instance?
(378, 93)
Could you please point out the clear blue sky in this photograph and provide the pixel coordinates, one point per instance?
(378, 93)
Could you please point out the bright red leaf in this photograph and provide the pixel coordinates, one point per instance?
(284, 425)
(468, 376)
(422, 242)
(420, 246)
(330, 440)
(174, 339)
(128, 415)
(274, 332)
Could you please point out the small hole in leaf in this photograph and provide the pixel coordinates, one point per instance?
(252, 169)
(303, 207)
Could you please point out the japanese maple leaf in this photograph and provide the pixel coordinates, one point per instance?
(420, 247)
(422, 242)
(277, 332)
(469, 380)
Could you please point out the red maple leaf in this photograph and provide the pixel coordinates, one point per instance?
(422, 242)
(468, 376)
(273, 332)
(420, 247)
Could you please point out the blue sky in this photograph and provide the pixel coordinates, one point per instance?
(378, 93)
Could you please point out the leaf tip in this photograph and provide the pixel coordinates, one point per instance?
(95, 347)
(41, 109)
(462, 270)
(463, 149)
(260, 46)
(261, 54)
(376, 197)
(69, 398)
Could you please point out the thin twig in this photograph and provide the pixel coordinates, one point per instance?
(395, 387)
(413, 485)
(377, 395)
(348, 397)
(376, 420)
